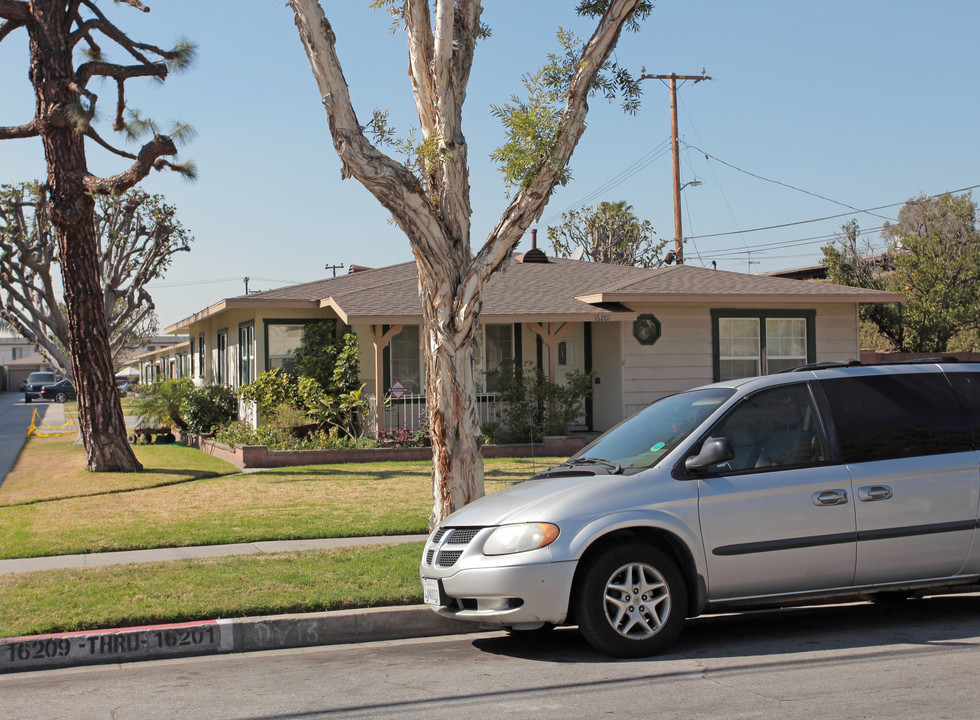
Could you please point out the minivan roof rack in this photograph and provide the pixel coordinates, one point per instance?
(823, 365)
(857, 363)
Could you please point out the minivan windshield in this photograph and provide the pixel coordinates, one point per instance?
(641, 440)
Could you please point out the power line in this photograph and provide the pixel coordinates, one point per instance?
(828, 217)
(777, 182)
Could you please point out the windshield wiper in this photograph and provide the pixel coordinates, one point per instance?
(614, 467)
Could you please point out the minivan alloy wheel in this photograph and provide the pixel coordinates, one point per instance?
(630, 601)
(637, 601)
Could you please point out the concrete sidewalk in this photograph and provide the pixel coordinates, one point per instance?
(55, 562)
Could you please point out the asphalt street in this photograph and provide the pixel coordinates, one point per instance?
(910, 660)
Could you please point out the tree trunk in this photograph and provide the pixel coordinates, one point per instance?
(454, 424)
(72, 214)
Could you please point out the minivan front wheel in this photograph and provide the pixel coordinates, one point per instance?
(631, 601)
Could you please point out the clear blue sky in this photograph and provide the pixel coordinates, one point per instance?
(864, 102)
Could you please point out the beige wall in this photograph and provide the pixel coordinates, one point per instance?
(682, 358)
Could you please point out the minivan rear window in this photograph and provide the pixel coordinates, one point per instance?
(881, 417)
(967, 389)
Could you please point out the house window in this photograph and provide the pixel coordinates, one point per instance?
(761, 342)
(405, 363)
(200, 355)
(495, 346)
(246, 353)
(283, 340)
(221, 371)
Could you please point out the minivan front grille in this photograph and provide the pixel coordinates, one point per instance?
(448, 558)
(462, 536)
(436, 554)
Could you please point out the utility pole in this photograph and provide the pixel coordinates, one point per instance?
(675, 145)
(246, 284)
(334, 268)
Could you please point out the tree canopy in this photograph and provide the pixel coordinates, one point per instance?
(933, 257)
(609, 233)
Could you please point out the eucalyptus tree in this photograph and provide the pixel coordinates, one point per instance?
(428, 196)
(137, 236)
(63, 115)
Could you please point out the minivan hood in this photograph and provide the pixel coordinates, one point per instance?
(521, 502)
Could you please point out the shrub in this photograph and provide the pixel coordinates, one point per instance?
(208, 407)
(532, 406)
(271, 390)
(159, 404)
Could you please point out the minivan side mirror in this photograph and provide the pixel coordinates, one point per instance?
(717, 450)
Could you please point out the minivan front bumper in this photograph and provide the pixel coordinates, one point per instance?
(509, 595)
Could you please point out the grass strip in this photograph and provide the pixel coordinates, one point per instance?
(226, 587)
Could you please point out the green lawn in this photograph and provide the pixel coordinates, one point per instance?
(182, 498)
(49, 505)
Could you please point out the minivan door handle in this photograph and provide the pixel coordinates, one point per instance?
(830, 497)
(871, 493)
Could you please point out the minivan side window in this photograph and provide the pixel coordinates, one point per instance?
(882, 417)
(966, 386)
(774, 428)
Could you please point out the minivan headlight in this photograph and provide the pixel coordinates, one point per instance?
(522, 537)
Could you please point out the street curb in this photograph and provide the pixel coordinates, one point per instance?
(212, 637)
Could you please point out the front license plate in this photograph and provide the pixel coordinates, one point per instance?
(430, 591)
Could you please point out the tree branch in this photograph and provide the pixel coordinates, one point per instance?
(150, 153)
(18, 132)
(528, 204)
(16, 11)
(388, 180)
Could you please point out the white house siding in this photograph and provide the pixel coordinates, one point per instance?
(682, 358)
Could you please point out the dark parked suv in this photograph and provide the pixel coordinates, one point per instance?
(36, 381)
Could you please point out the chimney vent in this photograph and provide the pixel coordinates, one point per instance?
(533, 255)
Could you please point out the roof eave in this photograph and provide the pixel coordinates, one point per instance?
(233, 303)
(862, 298)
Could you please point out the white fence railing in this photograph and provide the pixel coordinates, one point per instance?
(410, 411)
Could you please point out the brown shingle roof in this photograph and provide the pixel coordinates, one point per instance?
(558, 290)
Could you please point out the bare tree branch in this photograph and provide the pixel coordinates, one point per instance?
(149, 154)
(16, 11)
(21, 131)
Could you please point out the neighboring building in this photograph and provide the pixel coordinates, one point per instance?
(164, 360)
(642, 333)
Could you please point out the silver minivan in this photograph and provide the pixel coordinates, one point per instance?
(831, 480)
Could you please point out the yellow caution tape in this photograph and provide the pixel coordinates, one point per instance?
(49, 431)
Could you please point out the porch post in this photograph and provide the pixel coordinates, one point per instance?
(551, 338)
(381, 341)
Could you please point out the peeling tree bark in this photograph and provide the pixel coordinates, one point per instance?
(434, 211)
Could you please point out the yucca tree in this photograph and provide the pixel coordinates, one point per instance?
(59, 31)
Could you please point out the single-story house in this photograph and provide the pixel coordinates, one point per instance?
(642, 333)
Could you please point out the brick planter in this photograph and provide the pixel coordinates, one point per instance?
(259, 456)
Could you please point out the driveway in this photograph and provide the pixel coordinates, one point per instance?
(15, 419)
